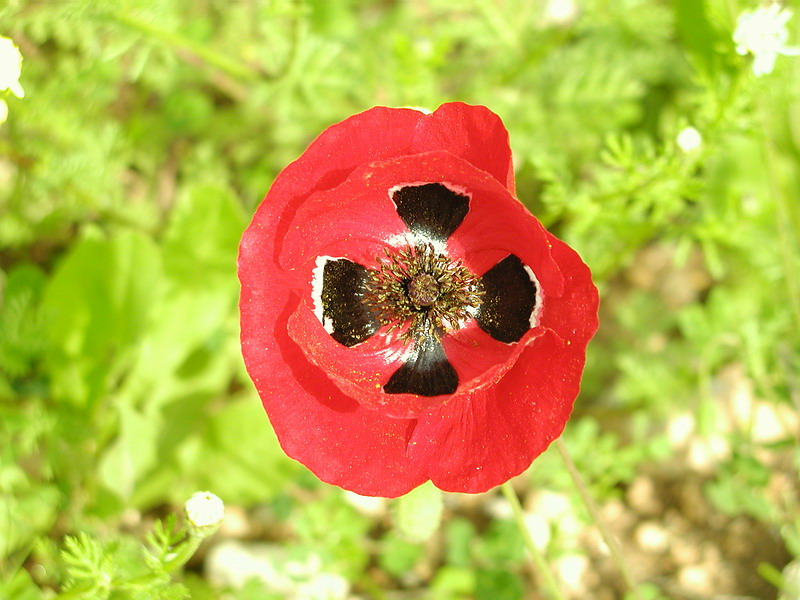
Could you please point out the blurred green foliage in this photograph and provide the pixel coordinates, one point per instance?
(149, 132)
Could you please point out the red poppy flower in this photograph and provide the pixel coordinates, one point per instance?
(404, 317)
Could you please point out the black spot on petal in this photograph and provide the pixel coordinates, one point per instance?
(508, 301)
(426, 373)
(344, 312)
(431, 210)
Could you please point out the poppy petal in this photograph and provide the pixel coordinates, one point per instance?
(481, 440)
(498, 225)
(344, 443)
(323, 235)
(482, 368)
(473, 133)
(354, 218)
(324, 165)
(362, 371)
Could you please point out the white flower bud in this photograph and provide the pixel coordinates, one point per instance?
(560, 12)
(689, 139)
(205, 512)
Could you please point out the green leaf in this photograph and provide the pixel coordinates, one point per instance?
(238, 456)
(88, 564)
(417, 515)
(97, 305)
(202, 240)
(21, 324)
(334, 530)
(498, 585)
(20, 586)
(696, 32)
(26, 510)
(460, 535)
(453, 582)
(399, 556)
(189, 348)
(133, 452)
(501, 545)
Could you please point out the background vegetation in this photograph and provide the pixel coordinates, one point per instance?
(149, 132)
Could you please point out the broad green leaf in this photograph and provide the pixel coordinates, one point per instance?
(453, 582)
(133, 452)
(26, 511)
(696, 33)
(398, 556)
(96, 306)
(238, 456)
(21, 326)
(417, 514)
(20, 586)
(496, 584)
(189, 347)
(202, 240)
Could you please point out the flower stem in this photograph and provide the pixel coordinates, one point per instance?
(591, 506)
(183, 553)
(540, 567)
(205, 52)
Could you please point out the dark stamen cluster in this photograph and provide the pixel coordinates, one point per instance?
(424, 289)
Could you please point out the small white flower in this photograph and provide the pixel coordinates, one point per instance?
(560, 12)
(3, 111)
(689, 139)
(204, 512)
(763, 33)
(10, 67)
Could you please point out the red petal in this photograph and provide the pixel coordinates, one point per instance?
(360, 372)
(342, 442)
(376, 134)
(479, 359)
(479, 441)
(573, 316)
(473, 133)
(497, 225)
(355, 220)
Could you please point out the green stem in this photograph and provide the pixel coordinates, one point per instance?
(183, 553)
(206, 53)
(539, 564)
(591, 506)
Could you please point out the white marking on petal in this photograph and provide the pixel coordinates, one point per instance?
(317, 278)
(537, 307)
(400, 240)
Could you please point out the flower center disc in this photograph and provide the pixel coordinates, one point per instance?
(427, 291)
(423, 290)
